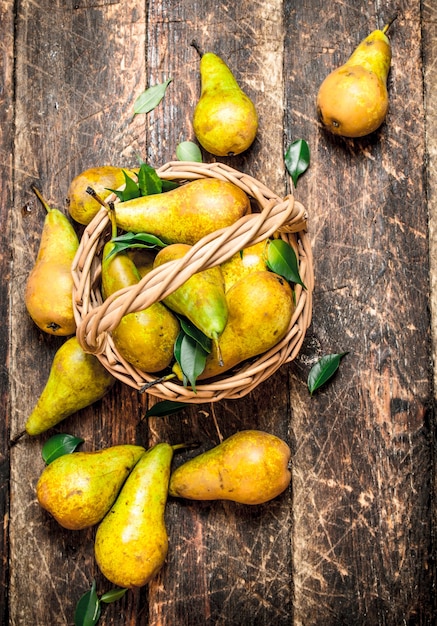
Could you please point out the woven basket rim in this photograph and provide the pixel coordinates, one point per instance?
(95, 317)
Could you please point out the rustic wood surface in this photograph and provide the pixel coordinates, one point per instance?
(351, 542)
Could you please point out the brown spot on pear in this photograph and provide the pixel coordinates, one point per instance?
(250, 467)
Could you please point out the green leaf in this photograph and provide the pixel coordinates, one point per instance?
(134, 240)
(150, 98)
(58, 445)
(164, 408)
(113, 595)
(323, 370)
(297, 159)
(192, 331)
(281, 259)
(189, 151)
(87, 611)
(191, 357)
(130, 191)
(148, 180)
(168, 185)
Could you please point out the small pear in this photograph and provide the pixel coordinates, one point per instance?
(144, 338)
(131, 542)
(225, 120)
(49, 288)
(250, 467)
(76, 380)
(78, 489)
(352, 101)
(250, 259)
(201, 298)
(81, 206)
(187, 213)
(260, 308)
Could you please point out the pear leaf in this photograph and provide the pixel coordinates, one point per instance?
(195, 333)
(134, 240)
(88, 611)
(191, 357)
(149, 182)
(150, 98)
(113, 595)
(281, 259)
(323, 370)
(189, 151)
(165, 408)
(58, 445)
(297, 159)
(168, 185)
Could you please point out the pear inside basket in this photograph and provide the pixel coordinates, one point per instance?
(270, 218)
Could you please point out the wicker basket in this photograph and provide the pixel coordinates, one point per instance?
(96, 318)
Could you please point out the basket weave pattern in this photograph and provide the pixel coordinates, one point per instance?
(96, 318)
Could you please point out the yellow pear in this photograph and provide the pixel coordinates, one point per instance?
(103, 178)
(353, 101)
(49, 288)
(250, 259)
(250, 467)
(131, 541)
(225, 120)
(187, 213)
(76, 380)
(78, 489)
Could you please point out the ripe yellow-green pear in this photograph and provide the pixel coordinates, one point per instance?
(131, 542)
(353, 100)
(76, 380)
(49, 288)
(250, 467)
(250, 259)
(81, 205)
(225, 120)
(187, 213)
(78, 489)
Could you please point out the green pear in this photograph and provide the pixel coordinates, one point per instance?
(250, 259)
(187, 213)
(81, 206)
(353, 100)
(49, 289)
(260, 307)
(144, 338)
(225, 120)
(250, 467)
(76, 380)
(131, 542)
(78, 489)
(201, 298)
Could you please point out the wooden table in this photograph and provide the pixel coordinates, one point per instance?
(352, 541)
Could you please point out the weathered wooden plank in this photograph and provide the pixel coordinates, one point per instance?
(362, 466)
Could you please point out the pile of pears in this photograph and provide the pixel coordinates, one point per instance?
(124, 491)
(217, 302)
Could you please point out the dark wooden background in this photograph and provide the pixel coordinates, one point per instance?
(351, 542)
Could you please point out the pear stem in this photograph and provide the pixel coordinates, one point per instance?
(151, 383)
(41, 199)
(197, 48)
(184, 446)
(93, 193)
(218, 350)
(389, 23)
(16, 439)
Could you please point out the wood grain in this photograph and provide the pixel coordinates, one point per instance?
(351, 542)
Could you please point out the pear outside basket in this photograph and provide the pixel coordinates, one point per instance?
(95, 318)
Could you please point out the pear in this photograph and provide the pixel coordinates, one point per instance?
(260, 308)
(201, 298)
(353, 101)
(250, 467)
(142, 259)
(225, 120)
(144, 338)
(187, 213)
(49, 289)
(78, 489)
(250, 259)
(82, 207)
(131, 541)
(76, 380)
